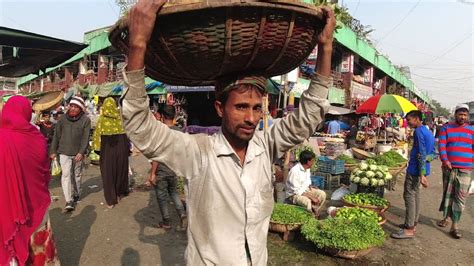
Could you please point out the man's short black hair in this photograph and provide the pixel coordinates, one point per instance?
(168, 112)
(415, 113)
(306, 156)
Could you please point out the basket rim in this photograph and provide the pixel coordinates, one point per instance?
(44, 106)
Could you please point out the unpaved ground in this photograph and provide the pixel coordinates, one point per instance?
(125, 235)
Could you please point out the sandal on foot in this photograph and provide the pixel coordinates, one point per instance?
(442, 223)
(404, 226)
(456, 234)
(401, 235)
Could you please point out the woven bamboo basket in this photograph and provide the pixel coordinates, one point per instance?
(395, 171)
(49, 101)
(198, 42)
(288, 230)
(350, 167)
(361, 154)
(347, 254)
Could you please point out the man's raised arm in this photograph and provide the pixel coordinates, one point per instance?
(299, 125)
(154, 139)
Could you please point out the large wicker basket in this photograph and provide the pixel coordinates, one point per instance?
(286, 229)
(49, 101)
(347, 254)
(197, 42)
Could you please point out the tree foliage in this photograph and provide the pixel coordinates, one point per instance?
(439, 110)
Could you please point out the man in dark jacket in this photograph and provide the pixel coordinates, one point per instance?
(70, 141)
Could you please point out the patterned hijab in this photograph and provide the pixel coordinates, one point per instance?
(109, 122)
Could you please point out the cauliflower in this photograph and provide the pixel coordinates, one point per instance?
(364, 181)
(383, 168)
(381, 183)
(356, 180)
(374, 182)
(388, 176)
(369, 174)
(373, 167)
(363, 166)
(379, 174)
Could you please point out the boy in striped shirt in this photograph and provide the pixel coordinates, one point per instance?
(456, 147)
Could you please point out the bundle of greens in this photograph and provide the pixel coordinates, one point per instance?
(366, 199)
(390, 159)
(347, 159)
(357, 213)
(289, 214)
(368, 173)
(344, 234)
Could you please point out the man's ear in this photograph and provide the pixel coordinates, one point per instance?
(219, 108)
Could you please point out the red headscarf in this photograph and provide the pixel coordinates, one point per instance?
(24, 178)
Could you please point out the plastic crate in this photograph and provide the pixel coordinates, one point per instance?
(318, 181)
(330, 166)
(330, 181)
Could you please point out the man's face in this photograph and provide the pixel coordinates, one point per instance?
(46, 118)
(241, 112)
(74, 110)
(413, 122)
(461, 116)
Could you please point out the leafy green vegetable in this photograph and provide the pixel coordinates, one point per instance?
(347, 159)
(344, 234)
(390, 159)
(290, 214)
(366, 199)
(357, 213)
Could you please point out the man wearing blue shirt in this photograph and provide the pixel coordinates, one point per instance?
(334, 127)
(418, 169)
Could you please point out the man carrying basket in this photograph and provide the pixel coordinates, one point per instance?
(229, 174)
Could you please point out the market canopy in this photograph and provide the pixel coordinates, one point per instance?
(23, 53)
(386, 103)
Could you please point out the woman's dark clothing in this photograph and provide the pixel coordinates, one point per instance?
(114, 166)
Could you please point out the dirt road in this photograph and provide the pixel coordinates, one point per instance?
(126, 235)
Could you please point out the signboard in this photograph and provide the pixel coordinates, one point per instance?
(347, 64)
(369, 75)
(360, 91)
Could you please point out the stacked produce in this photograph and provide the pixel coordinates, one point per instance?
(347, 159)
(344, 234)
(358, 213)
(366, 199)
(334, 148)
(368, 173)
(289, 214)
(390, 159)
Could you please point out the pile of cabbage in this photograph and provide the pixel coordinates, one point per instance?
(368, 173)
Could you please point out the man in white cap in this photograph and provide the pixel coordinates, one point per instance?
(70, 141)
(456, 149)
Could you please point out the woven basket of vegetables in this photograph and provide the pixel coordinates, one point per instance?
(196, 42)
(344, 238)
(367, 201)
(286, 217)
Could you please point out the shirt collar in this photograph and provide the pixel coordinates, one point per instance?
(223, 148)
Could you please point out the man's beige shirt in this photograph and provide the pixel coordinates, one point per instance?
(229, 203)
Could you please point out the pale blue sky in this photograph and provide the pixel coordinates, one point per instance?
(433, 38)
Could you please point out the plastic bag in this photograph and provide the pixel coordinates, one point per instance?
(339, 193)
(55, 168)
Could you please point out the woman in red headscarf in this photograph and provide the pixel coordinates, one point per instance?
(25, 232)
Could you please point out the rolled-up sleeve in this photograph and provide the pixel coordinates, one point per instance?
(177, 150)
(299, 125)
